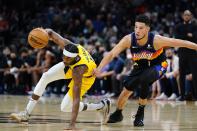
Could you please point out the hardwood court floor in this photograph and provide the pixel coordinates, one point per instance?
(159, 116)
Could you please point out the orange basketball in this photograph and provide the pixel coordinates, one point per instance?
(38, 38)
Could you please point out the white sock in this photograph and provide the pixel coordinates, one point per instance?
(93, 106)
(30, 106)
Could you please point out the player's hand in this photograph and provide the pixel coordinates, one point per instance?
(49, 31)
(118, 77)
(71, 127)
(96, 73)
(189, 34)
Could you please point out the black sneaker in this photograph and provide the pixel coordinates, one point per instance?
(180, 98)
(115, 117)
(139, 119)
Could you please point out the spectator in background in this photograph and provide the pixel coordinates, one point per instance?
(128, 67)
(156, 89)
(98, 23)
(169, 80)
(109, 75)
(189, 90)
(38, 68)
(3, 66)
(187, 57)
(88, 30)
(110, 33)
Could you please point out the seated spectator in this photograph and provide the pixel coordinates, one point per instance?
(168, 82)
(109, 75)
(128, 67)
(189, 91)
(3, 68)
(156, 89)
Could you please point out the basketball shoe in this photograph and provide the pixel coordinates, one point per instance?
(116, 117)
(139, 119)
(22, 116)
(105, 110)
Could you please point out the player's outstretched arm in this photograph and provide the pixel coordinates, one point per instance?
(77, 75)
(58, 39)
(161, 41)
(122, 45)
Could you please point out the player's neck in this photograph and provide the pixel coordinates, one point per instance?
(78, 58)
(143, 41)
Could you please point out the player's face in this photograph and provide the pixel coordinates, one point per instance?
(141, 30)
(68, 60)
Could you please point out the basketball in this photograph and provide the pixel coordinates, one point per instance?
(38, 38)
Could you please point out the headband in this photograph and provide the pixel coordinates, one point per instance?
(69, 54)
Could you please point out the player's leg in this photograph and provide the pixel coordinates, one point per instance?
(145, 79)
(103, 106)
(67, 102)
(122, 99)
(54, 73)
(130, 85)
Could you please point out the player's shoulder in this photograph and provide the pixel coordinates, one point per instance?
(157, 37)
(126, 38)
(158, 41)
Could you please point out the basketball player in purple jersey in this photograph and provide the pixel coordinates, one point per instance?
(150, 64)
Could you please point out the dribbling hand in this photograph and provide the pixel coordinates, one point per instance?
(49, 31)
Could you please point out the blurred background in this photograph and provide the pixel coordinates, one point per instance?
(98, 25)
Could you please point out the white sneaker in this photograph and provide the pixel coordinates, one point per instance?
(161, 97)
(109, 95)
(20, 117)
(105, 110)
(172, 97)
(177, 99)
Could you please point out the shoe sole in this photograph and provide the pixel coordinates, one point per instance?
(138, 125)
(115, 121)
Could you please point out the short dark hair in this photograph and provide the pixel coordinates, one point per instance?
(143, 18)
(71, 48)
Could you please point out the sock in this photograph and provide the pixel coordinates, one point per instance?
(30, 106)
(118, 110)
(92, 106)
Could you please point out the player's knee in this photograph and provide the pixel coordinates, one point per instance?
(65, 109)
(45, 75)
